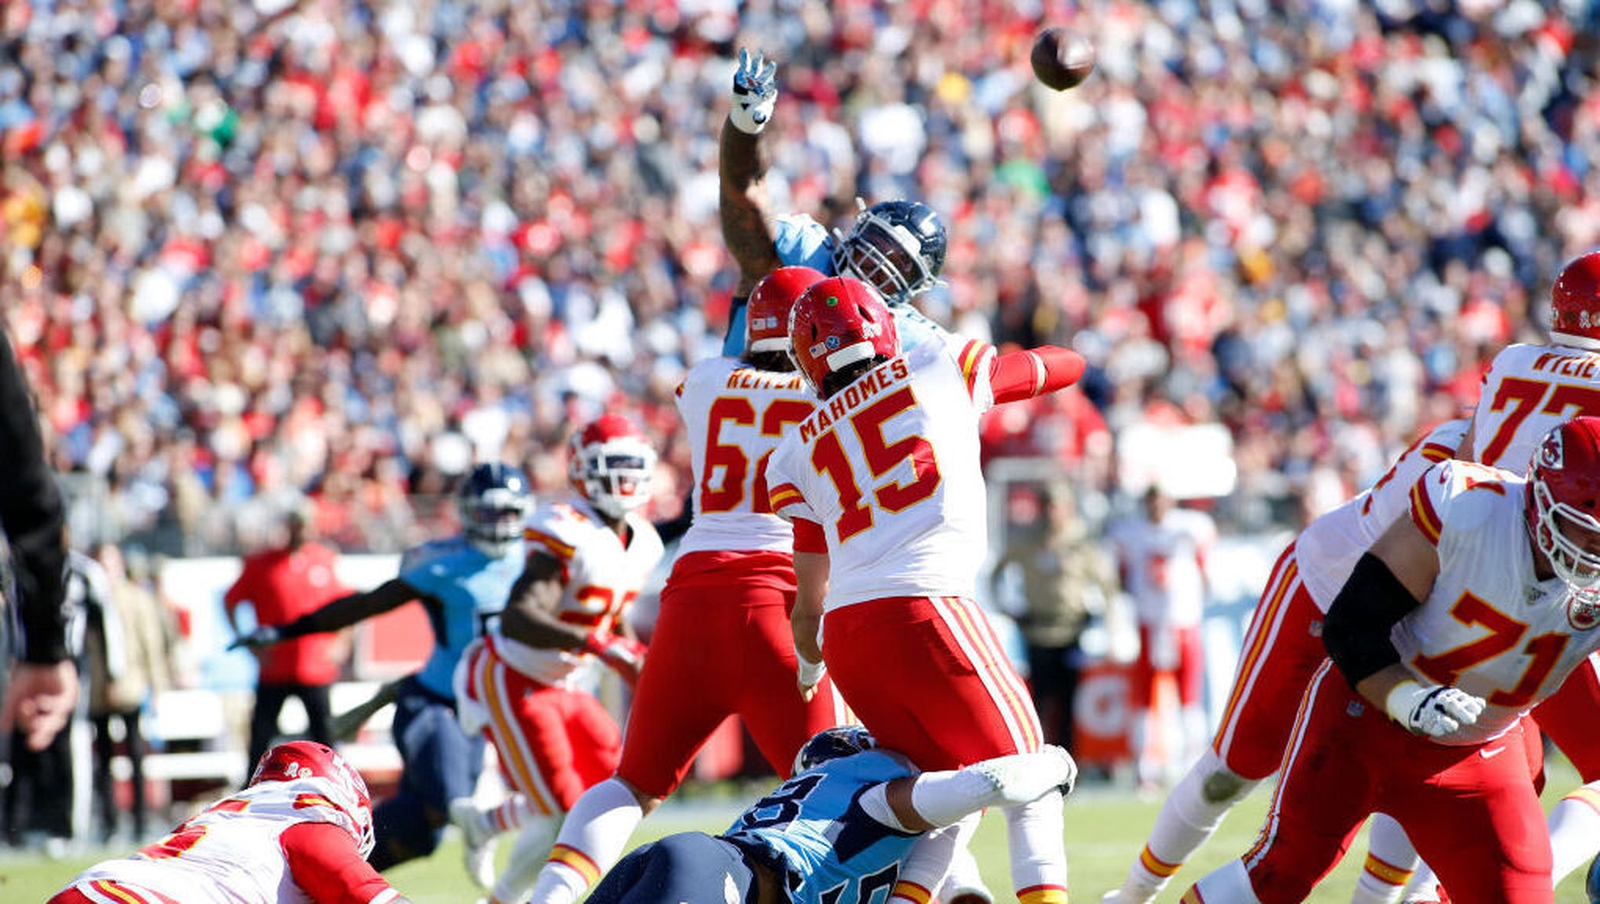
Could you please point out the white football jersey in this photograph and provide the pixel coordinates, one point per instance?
(1163, 566)
(1328, 548)
(602, 579)
(734, 415)
(231, 853)
(1489, 626)
(889, 468)
(1527, 391)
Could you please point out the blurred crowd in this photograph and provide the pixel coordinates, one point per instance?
(347, 248)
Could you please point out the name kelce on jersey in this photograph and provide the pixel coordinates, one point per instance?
(857, 394)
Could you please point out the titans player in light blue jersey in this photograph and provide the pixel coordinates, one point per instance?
(846, 829)
(463, 582)
(897, 247)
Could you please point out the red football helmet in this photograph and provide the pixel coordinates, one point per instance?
(309, 759)
(1564, 493)
(1575, 303)
(836, 323)
(612, 465)
(766, 316)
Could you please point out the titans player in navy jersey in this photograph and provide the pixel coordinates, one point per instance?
(849, 824)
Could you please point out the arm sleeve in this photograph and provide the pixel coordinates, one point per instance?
(325, 864)
(1356, 629)
(1032, 372)
(32, 517)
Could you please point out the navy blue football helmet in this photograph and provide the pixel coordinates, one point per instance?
(831, 744)
(1592, 886)
(493, 501)
(897, 247)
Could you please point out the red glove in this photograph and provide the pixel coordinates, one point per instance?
(623, 654)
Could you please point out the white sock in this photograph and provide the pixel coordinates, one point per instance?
(591, 841)
(1575, 830)
(1391, 860)
(1227, 884)
(963, 874)
(925, 867)
(1186, 819)
(1038, 860)
(512, 814)
(1424, 885)
(527, 856)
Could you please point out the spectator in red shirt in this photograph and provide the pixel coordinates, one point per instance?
(282, 584)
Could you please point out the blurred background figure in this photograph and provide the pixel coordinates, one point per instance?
(45, 803)
(129, 656)
(1161, 554)
(281, 584)
(1066, 577)
(42, 684)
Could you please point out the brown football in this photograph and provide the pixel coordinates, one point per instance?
(1061, 59)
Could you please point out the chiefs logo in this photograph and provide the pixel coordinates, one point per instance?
(1551, 454)
(1583, 612)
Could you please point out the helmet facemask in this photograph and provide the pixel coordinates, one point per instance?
(887, 255)
(1573, 562)
(617, 476)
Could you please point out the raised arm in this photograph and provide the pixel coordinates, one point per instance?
(741, 170)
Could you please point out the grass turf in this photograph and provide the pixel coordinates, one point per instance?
(1105, 828)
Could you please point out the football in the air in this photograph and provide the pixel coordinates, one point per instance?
(1061, 59)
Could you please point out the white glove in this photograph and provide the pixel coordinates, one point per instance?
(755, 92)
(808, 675)
(1432, 710)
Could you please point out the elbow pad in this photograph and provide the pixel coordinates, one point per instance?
(1356, 628)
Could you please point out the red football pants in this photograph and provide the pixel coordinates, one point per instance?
(721, 647)
(1471, 811)
(928, 677)
(553, 742)
(1281, 650)
(1571, 717)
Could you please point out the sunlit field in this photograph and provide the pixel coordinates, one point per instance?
(1105, 827)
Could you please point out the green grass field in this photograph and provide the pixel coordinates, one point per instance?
(1105, 828)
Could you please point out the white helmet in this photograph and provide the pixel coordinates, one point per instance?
(612, 465)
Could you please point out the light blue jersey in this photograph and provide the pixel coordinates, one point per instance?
(461, 588)
(814, 823)
(803, 242)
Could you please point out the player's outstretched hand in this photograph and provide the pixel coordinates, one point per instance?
(260, 638)
(755, 92)
(1433, 710)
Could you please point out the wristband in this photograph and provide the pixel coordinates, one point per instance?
(1402, 700)
(809, 672)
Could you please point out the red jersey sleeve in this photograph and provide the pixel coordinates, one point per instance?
(326, 865)
(809, 537)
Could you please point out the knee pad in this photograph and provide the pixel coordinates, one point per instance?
(1221, 785)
